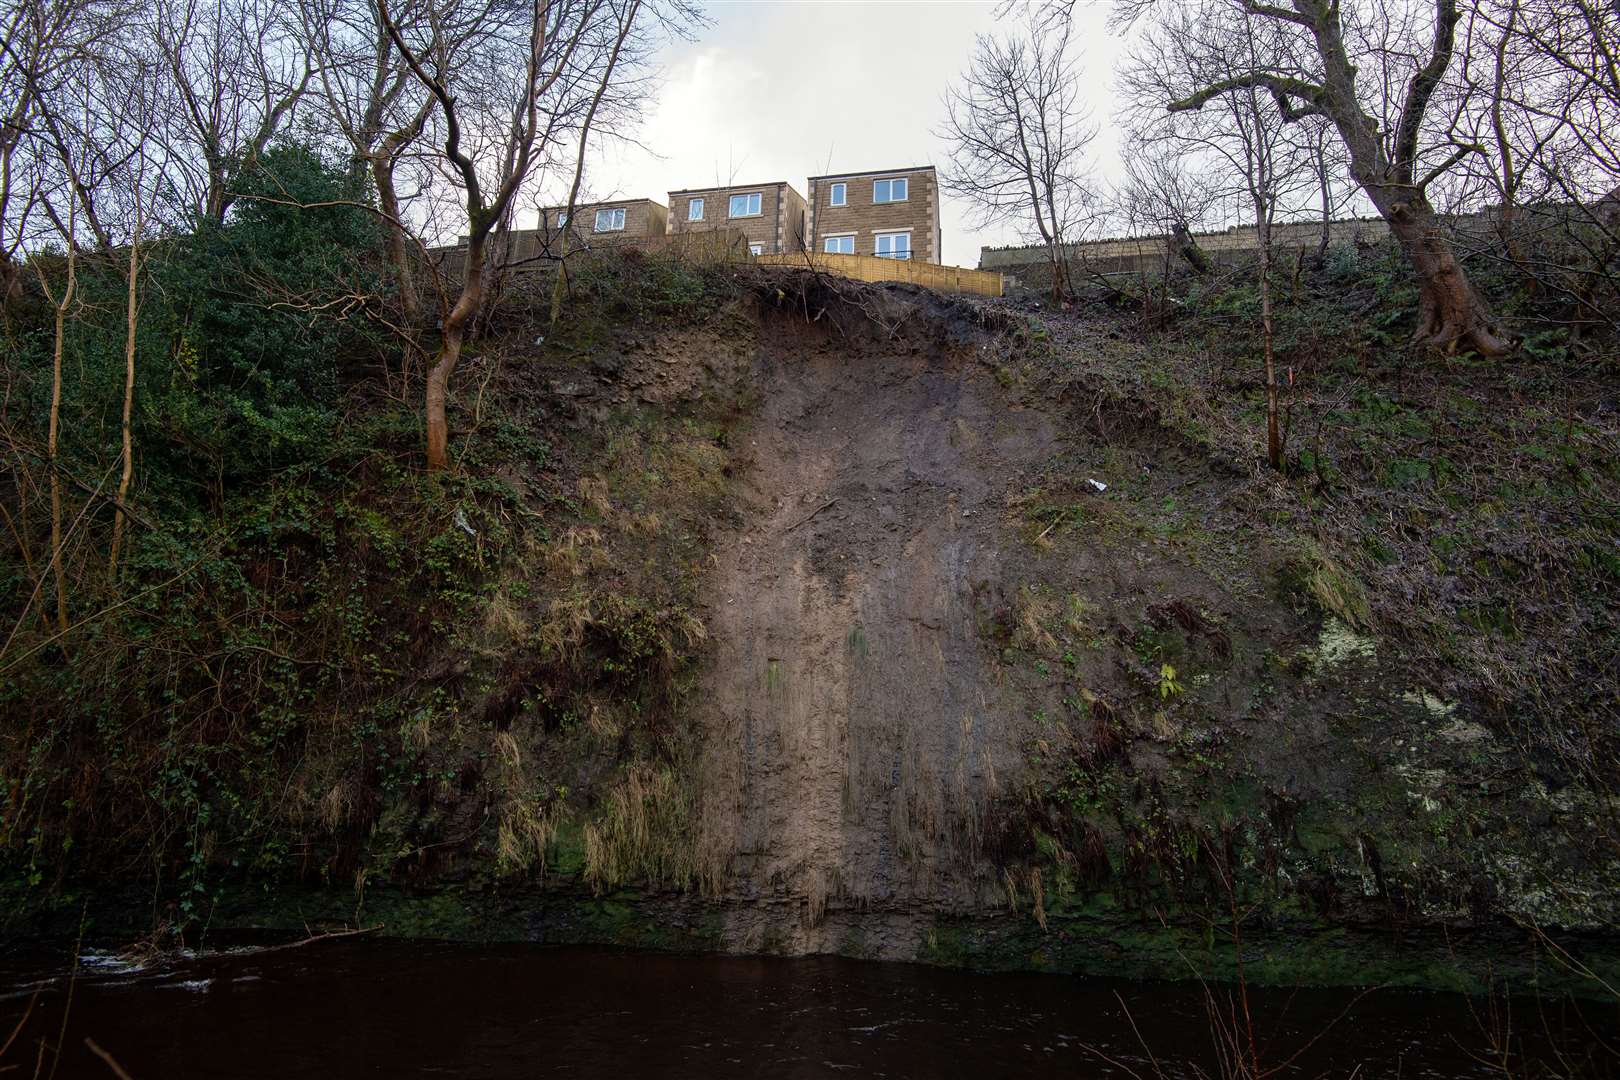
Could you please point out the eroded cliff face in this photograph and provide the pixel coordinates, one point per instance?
(854, 619)
(857, 735)
(981, 652)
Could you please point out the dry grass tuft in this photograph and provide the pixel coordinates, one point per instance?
(337, 805)
(507, 749)
(644, 833)
(503, 621)
(593, 492)
(1034, 612)
(578, 551)
(527, 828)
(418, 733)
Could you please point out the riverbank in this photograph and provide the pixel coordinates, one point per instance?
(772, 614)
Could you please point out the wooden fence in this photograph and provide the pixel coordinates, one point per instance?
(871, 268)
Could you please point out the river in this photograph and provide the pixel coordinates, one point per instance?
(367, 1007)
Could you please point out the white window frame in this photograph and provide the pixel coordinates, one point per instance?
(905, 190)
(615, 219)
(827, 240)
(890, 234)
(756, 249)
(562, 219)
(753, 200)
(838, 194)
(694, 209)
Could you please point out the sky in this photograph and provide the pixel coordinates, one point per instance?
(784, 90)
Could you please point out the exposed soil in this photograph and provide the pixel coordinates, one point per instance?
(856, 731)
(972, 632)
(864, 743)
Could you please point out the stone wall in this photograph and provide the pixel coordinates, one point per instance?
(860, 216)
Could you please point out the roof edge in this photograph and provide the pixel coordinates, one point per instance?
(730, 187)
(875, 172)
(602, 204)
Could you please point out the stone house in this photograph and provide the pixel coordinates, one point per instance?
(623, 222)
(891, 213)
(772, 216)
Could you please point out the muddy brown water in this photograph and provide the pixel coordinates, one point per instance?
(385, 1008)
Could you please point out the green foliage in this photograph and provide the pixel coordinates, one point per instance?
(315, 653)
(248, 324)
(1169, 685)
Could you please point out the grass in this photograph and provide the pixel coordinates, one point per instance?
(1439, 529)
(370, 658)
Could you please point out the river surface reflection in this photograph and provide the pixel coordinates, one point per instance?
(366, 1007)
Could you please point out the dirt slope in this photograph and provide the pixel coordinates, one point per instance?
(855, 731)
(950, 677)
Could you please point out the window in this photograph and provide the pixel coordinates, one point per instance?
(610, 220)
(745, 205)
(694, 210)
(885, 191)
(838, 195)
(894, 245)
(839, 245)
(756, 249)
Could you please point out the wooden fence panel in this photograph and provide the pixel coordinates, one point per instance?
(871, 268)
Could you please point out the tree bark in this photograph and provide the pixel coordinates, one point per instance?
(1186, 245)
(132, 312)
(399, 256)
(1451, 315)
(1273, 433)
(444, 365)
(61, 305)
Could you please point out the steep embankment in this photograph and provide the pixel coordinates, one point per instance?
(980, 649)
(769, 615)
(856, 734)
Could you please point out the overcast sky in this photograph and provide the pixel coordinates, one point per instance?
(785, 90)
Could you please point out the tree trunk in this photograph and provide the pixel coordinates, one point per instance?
(57, 570)
(131, 315)
(1451, 315)
(444, 365)
(382, 174)
(1186, 245)
(1273, 433)
(1326, 238)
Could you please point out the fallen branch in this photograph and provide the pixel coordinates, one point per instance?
(808, 516)
(313, 938)
(117, 1069)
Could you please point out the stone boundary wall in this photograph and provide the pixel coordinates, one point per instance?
(1138, 254)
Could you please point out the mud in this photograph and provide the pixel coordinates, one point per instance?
(857, 734)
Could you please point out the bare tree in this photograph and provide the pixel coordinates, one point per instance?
(1539, 93)
(1018, 138)
(379, 109)
(237, 70)
(1166, 196)
(1242, 133)
(1374, 81)
(61, 303)
(490, 165)
(627, 23)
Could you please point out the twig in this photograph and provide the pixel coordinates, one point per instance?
(810, 515)
(118, 1070)
(313, 938)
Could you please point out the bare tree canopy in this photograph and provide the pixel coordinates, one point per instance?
(1018, 137)
(1372, 71)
